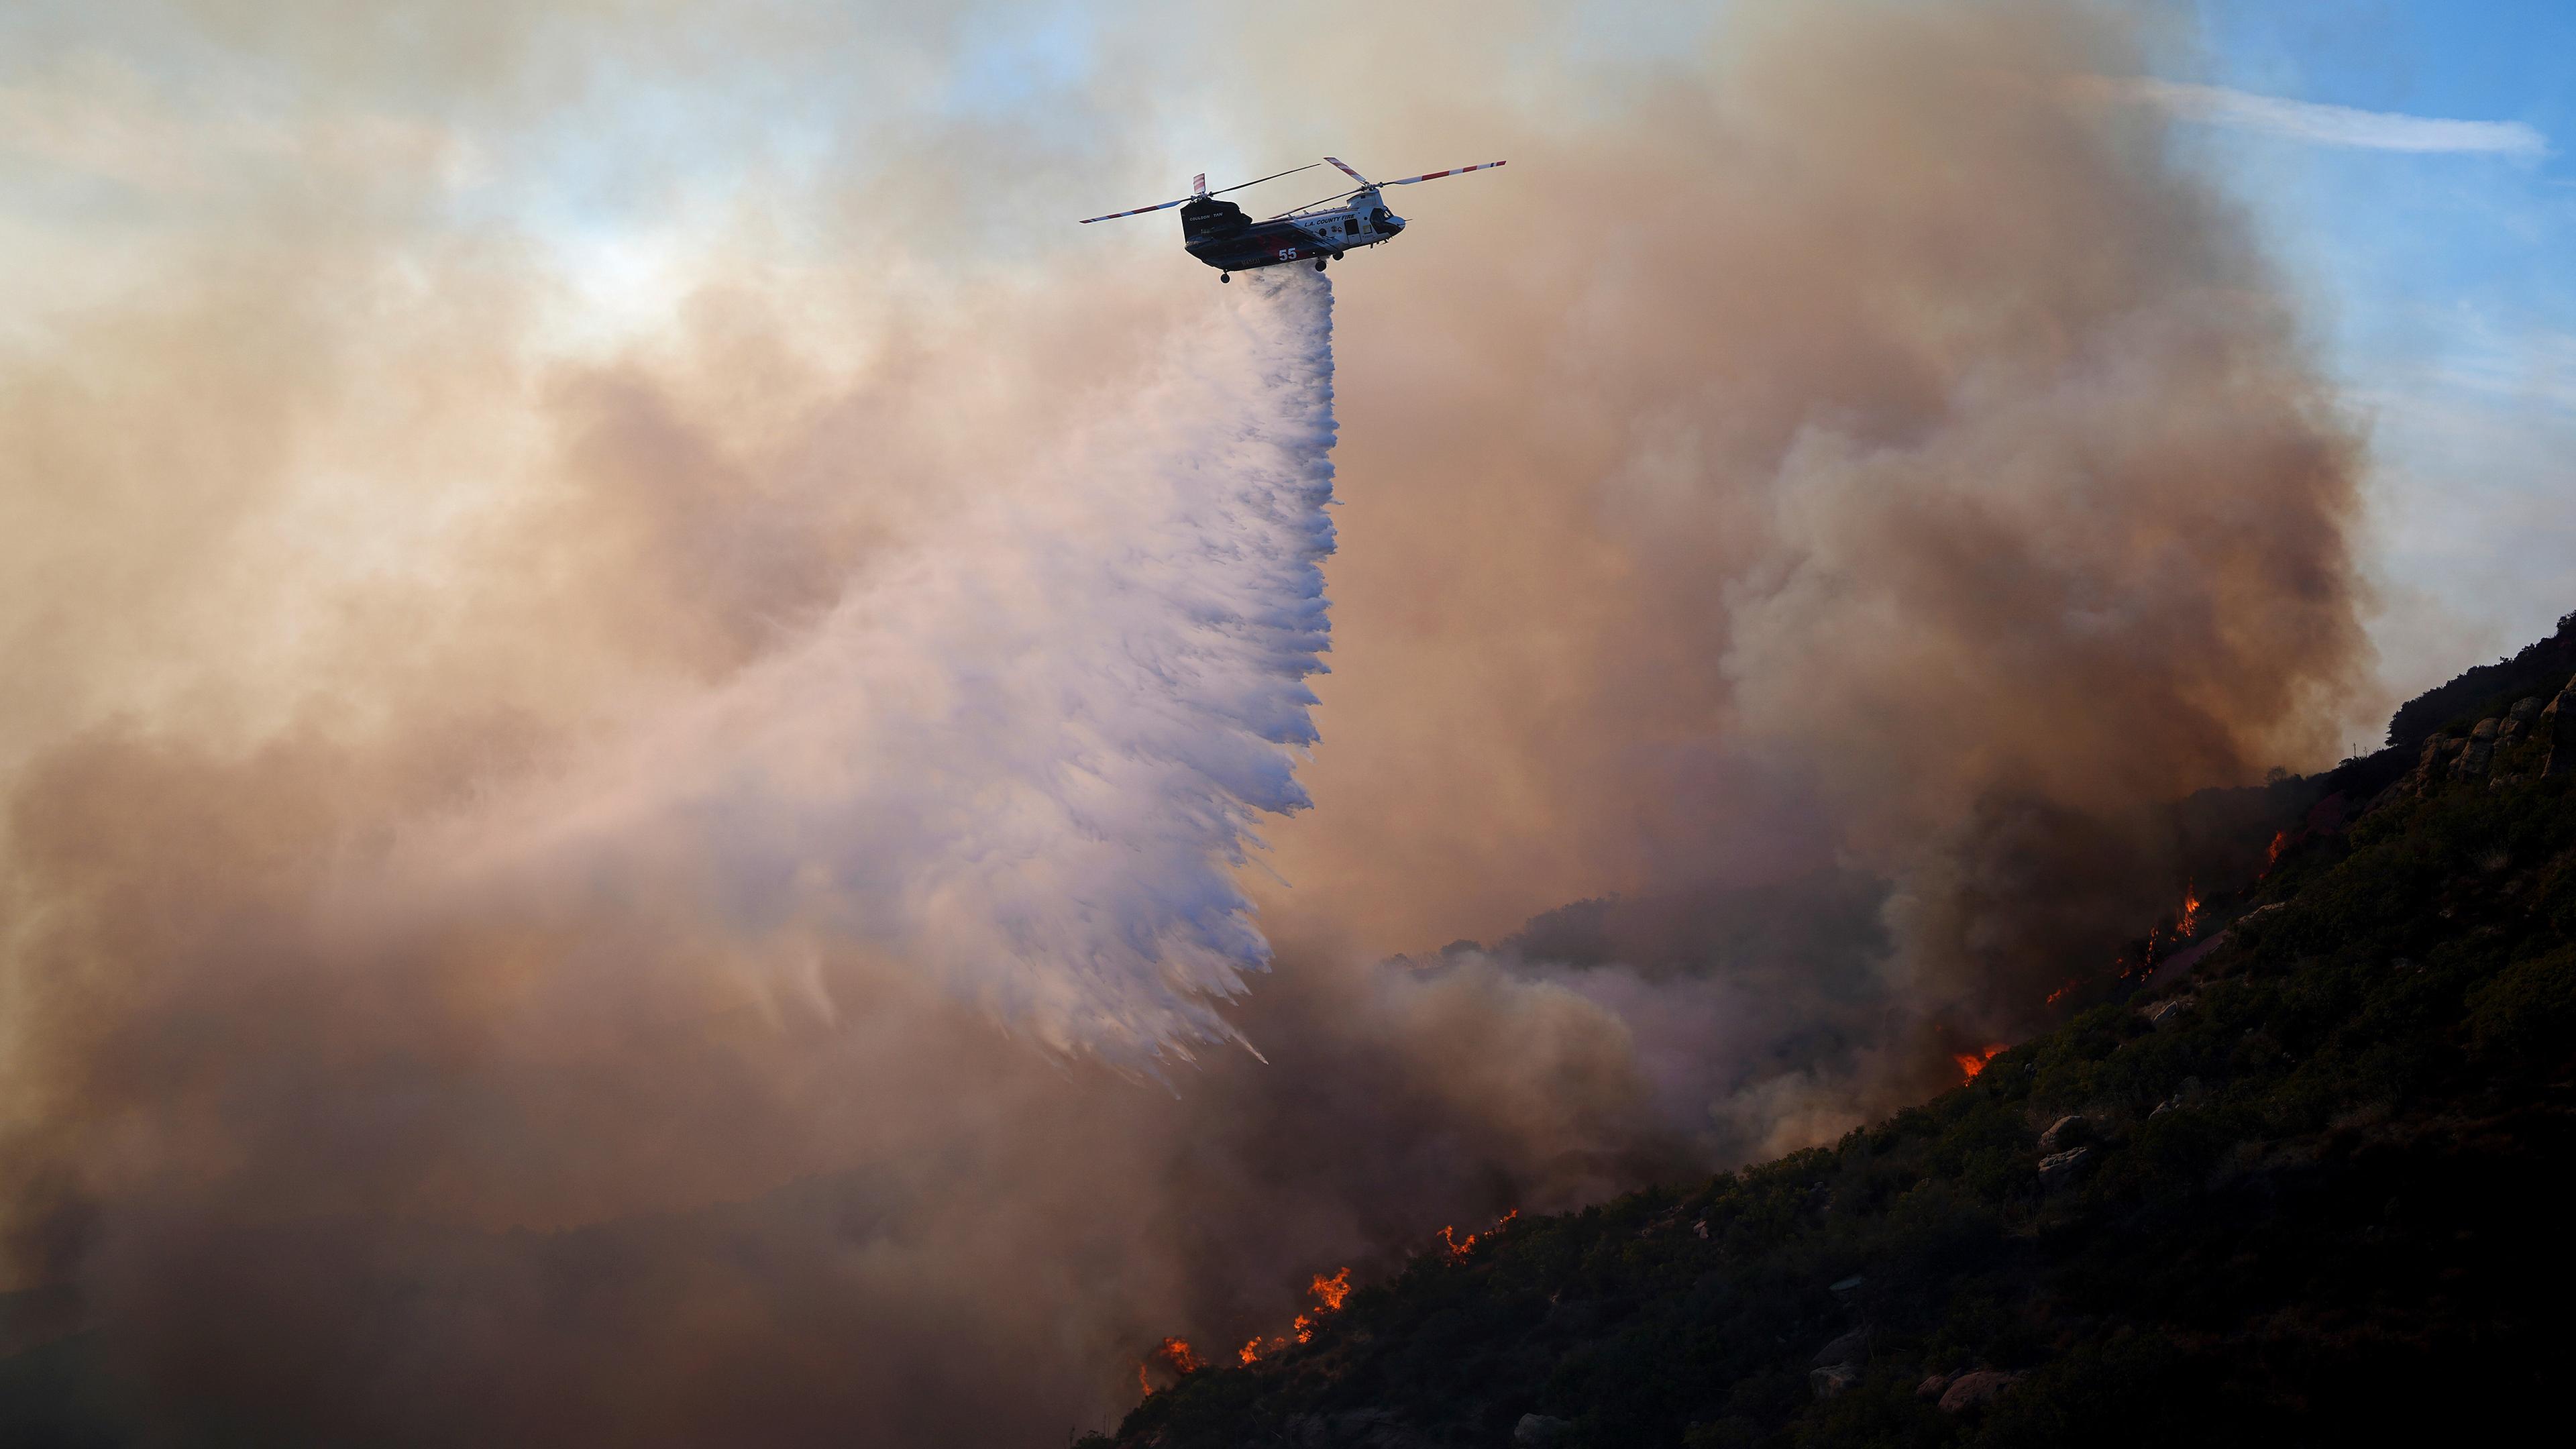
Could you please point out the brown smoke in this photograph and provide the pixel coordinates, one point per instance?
(1833, 488)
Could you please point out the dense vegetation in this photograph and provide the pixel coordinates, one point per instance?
(2539, 669)
(2318, 1201)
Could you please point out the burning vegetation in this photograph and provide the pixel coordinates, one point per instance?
(1174, 1354)
(1176, 1358)
(1974, 1062)
(1457, 1248)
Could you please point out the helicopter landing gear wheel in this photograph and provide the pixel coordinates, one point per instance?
(1319, 264)
(1337, 256)
(1225, 276)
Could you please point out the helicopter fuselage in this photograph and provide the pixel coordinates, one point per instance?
(1219, 234)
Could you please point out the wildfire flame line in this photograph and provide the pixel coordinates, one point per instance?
(1458, 1248)
(1329, 1295)
(1975, 1062)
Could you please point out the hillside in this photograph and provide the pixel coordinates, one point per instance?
(2300, 1190)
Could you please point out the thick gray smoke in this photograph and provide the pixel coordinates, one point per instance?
(651, 834)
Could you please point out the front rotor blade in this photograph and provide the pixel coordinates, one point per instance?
(1309, 206)
(1452, 171)
(1347, 171)
(1139, 211)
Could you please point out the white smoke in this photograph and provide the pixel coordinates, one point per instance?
(1028, 753)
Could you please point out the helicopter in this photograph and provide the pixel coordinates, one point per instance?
(1219, 234)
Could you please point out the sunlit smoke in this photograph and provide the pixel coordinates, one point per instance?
(608, 797)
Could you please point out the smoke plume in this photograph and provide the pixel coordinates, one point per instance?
(649, 782)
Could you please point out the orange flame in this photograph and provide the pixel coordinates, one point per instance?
(1458, 1248)
(2059, 992)
(1975, 1062)
(1329, 1292)
(2190, 923)
(2272, 857)
(1250, 1351)
(1174, 1354)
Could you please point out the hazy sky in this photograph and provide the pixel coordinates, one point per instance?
(2444, 285)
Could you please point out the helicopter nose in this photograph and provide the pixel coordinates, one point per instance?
(1394, 224)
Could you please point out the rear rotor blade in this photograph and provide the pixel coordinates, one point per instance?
(1452, 171)
(1139, 211)
(1347, 171)
(1273, 176)
(1195, 195)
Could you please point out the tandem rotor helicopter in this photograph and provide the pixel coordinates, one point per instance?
(1219, 234)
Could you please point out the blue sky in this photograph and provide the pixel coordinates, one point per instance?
(2441, 287)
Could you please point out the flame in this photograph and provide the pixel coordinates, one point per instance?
(1329, 1292)
(1458, 1248)
(1975, 1062)
(1305, 1329)
(2272, 857)
(2054, 995)
(1174, 1354)
(1250, 1351)
(2190, 923)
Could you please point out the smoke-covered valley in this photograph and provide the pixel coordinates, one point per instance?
(712, 814)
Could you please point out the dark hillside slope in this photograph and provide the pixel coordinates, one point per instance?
(2487, 689)
(2312, 1194)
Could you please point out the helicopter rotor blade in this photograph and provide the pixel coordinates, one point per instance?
(1452, 171)
(1309, 206)
(1273, 176)
(1196, 195)
(1344, 167)
(1139, 211)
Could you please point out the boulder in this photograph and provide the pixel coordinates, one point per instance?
(2485, 730)
(2188, 1095)
(2164, 1013)
(2524, 711)
(1357, 1429)
(2475, 759)
(1827, 1382)
(1976, 1390)
(2059, 1169)
(1537, 1431)
(1852, 1347)
(2432, 767)
(2557, 728)
(1933, 1385)
(2065, 1132)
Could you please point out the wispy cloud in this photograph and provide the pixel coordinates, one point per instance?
(2333, 125)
